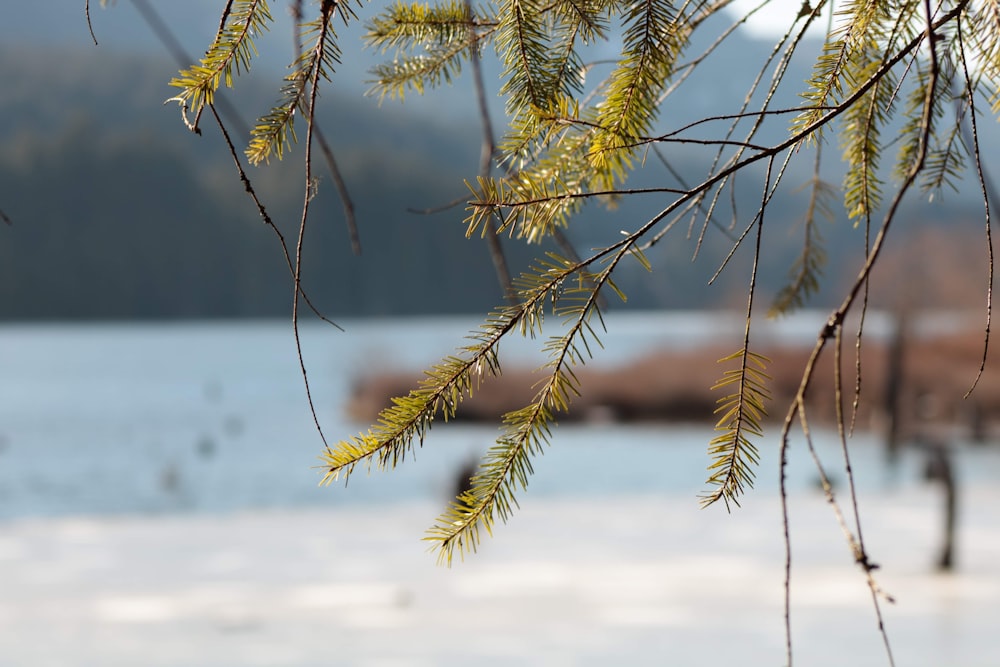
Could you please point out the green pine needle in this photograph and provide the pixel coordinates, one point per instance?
(734, 454)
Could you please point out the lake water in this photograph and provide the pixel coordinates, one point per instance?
(120, 418)
(201, 430)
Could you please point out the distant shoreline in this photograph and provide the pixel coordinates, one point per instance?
(674, 385)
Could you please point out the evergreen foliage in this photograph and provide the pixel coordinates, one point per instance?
(570, 141)
(743, 412)
(229, 54)
(578, 128)
(276, 129)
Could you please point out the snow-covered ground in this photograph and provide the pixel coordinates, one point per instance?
(622, 580)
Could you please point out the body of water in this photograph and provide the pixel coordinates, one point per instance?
(138, 418)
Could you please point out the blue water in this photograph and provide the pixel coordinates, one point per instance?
(208, 417)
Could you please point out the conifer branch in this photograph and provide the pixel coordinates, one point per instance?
(654, 38)
(276, 130)
(805, 274)
(231, 52)
(409, 27)
(523, 45)
(576, 22)
(431, 43)
(507, 466)
(433, 68)
(733, 451)
(946, 162)
(860, 138)
(447, 383)
(735, 455)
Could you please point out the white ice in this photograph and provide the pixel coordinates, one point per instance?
(644, 580)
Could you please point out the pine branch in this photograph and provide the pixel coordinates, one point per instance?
(733, 451)
(410, 27)
(805, 274)
(531, 209)
(431, 44)
(574, 22)
(983, 35)
(825, 89)
(860, 135)
(848, 53)
(410, 417)
(917, 125)
(654, 38)
(507, 466)
(945, 162)
(438, 66)
(554, 182)
(276, 130)
(523, 44)
(230, 53)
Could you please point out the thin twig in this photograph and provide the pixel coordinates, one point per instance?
(989, 194)
(331, 162)
(264, 215)
(486, 154)
(439, 209)
(90, 26)
(836, 319)
(345, 196)
(780, 69)
(327, 12)
(680, 179)
(857, 543)
(858, 344)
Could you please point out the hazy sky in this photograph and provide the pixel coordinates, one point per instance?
(773, 20)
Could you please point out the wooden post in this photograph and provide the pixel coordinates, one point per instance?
(939, 469)
(892, 400)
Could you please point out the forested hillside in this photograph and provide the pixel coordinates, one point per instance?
(118, 212)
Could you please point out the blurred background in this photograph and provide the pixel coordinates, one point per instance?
(159, 498)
